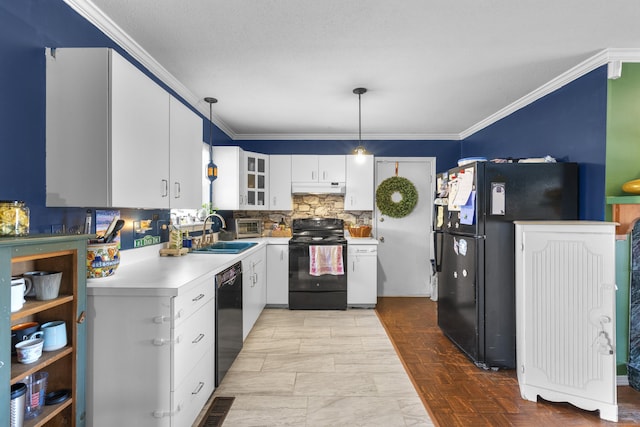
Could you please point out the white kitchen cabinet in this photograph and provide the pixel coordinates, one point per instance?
(150, 356)
(362, 276)
(280, 183)
(313, 168)
(185, 143)
(278, 274)
(227, 189)
(243, 179)
(565, 313)
(254, 288)
(108, 133)
(256, 172)
(359, 183)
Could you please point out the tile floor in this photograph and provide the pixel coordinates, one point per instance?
(320, 368)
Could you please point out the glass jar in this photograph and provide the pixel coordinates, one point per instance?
(14, 218)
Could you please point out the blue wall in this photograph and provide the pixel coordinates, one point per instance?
(568, 124)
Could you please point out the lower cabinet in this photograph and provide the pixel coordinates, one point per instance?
(150, 357)
(362, 276)
(254, 288)
(278, 275)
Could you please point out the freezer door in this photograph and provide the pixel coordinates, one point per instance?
(458, 292)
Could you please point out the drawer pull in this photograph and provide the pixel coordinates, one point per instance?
(198, 298)
(197, 390)
(198, 339)
(162, 341)
(162, 319)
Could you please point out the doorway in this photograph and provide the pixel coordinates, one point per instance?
(405, 244)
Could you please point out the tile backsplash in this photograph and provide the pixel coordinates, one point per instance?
(310, 206)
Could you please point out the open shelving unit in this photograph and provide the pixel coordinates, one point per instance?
(66, 366)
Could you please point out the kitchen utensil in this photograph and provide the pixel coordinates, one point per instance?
(108, 238)
(30, 350)
(102, 259)
(110, 227)
(19, 289)
(46, 283)
(21, 332)
(16, 414)
(54, 334)
(36, 390)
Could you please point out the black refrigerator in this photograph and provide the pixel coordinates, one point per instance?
(474, 248)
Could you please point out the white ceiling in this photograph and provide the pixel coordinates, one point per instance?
(285, 69)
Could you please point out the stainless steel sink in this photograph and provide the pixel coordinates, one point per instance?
(226, 247)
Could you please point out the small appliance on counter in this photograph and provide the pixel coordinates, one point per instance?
(248, 227)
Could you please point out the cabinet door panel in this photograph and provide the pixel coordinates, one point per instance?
(185, 136)
(280, 183)
(359, 184)
(278, 274)
(304, 168)
(139, 138)
(331, 168)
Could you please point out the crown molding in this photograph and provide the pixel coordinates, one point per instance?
(599, 59)
(346, 137)
(95, 16)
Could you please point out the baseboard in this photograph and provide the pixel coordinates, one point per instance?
(622, 380)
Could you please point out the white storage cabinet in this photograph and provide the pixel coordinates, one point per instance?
(278, 274)
(280, 183)
(362, 276)
(254, 288)
(256, 171)
(359, 183)
(150, 358)
(565, 313)
(108, 134)
(313, 168)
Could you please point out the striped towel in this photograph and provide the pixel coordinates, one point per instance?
(325, 260)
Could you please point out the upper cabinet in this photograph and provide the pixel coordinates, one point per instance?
(312, 168)
(256, 167)
(228, 187)
(359, 188)
(280, 183)
(185, 143)
(109, 135)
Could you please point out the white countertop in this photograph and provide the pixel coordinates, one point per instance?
(143, 272)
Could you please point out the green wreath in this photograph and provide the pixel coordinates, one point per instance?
(388, 188)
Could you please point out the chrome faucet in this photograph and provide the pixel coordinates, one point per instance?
(204, 224)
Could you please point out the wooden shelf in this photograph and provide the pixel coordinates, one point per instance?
(625, 211)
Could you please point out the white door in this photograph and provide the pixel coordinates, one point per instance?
(404, 252)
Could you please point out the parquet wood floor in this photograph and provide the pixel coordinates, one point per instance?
(457, 393)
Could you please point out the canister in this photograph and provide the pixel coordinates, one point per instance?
(16, 412)
(14, 218)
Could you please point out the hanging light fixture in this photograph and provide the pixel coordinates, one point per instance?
(212, 169)
(360, 151)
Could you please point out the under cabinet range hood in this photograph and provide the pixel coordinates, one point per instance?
(318, 187)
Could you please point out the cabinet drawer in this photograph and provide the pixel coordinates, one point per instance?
(193, 338)
(193, 393)
(187, 304)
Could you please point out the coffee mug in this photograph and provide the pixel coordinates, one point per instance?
(30, 350)
(19, 289)
(45, 283)
(54, 334)
(21, 332)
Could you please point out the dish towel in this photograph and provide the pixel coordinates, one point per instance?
(325, 260)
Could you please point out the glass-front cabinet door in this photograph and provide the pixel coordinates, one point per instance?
(256, 177)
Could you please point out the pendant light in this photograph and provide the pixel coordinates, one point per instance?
(360, 151)
(212, 169)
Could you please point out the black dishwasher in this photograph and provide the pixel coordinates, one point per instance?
(228, 319)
